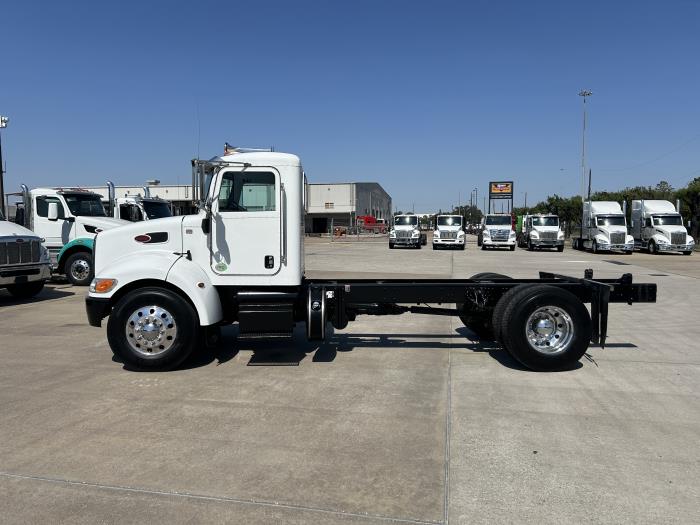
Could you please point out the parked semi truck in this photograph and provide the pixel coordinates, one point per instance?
(604, 228)
(497, 232)
(168, 290)
(68, 220)
(134, 208)
(24, 260)
(658, 227)
(541, 231)
(406, 232)
(449, 232)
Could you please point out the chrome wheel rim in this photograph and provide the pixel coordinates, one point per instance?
(80, 269)
(151, 330)
(549, 330)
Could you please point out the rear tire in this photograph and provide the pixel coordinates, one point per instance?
(153, 329)
(481, 324)
(501, 305)
(80, 269)
(26, 290)
(546, 328)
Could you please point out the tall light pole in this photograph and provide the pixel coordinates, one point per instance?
(3, 124)
(584, 93)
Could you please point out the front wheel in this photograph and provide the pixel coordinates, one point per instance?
(687, 253)
(545, 328)
(560, 249)
(653, 249)
(595, 247)
(79, 269)
(152, 328)
(391, 245)
(512, 248)
(529, 245)
(25, 291)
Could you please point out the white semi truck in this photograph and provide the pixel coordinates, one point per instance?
(68, 220)
(168, 287)
(658, 227)
(604, 228)
(24, 260)
(449, 232)
(134, 208)
(406, 232)
(497, 232)
(541, 231)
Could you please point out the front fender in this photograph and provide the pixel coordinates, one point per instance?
(84, 243)
(194, 282)
(601, 238)
(151, 265)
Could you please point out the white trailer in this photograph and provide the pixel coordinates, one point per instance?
(168, 290)
(541, 231)
(604, 228)
(658, 227)
(449, 232)
(497, 232)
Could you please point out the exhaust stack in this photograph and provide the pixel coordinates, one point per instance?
(678, 205)
(111, 197)
(27, 204)
(146, 192)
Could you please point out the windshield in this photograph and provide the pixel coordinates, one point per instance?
(545, 221)
(406, 220)
(668, 220)
(498, 220)
(611, 220)
(449, 221)
(156, 210)
(88, 205)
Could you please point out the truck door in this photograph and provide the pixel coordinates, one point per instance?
(247, 222)
(57, 233)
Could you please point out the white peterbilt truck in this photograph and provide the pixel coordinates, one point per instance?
(449, 232)
(406, 232)
(134, 208)
(497, 232)
(541, 231)
(68, 220)
(604, 228)
(24, 260)
(168, 286)
(658, 227)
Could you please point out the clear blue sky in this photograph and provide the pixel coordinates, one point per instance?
(430, 99)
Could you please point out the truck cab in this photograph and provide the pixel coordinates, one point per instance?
(658, 227)
(541, 231)
(24, 260)
(406, 232)
(449, 232)
(135, 208)
(497, 232)
(68, 219)
(604, 228)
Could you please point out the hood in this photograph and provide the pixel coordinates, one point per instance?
(612, 229)
(101, 223)
(406, 227)
(670, 229)
(450, 228)
(499, 227)
(546, 228)
(10, 229)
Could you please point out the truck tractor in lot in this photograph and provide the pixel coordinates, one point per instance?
(449, 232)
(541, 231)
(658, 227)
(604, 228)
(496, 232)
(68, 220)
(134, 208)
(406, 232)
(24, 260)
(168, 286)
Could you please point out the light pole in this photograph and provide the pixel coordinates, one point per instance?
(584, 93)
(3, 124)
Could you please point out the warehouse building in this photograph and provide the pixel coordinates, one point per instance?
(339, 204)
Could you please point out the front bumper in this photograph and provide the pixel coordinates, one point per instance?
(675, 247)
(546, 243)
(453, 242)
(97, 308)
(24, 274)
(489, 242)
(405, 241)
(616, 247)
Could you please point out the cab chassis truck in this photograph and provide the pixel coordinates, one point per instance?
(168, 288)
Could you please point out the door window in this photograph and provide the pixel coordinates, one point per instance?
(42, 206)
(247, 191)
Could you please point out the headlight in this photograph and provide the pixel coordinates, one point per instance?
(45, 255)
(436, 233)
(416, 233)
(560, 235)
(534, 234)
(392, 233)
(460, 233)
(691, 241)
(102, 285)
(662, 241)
(486, 233)
(512, 234)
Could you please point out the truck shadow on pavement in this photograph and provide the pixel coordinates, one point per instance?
(46, 294)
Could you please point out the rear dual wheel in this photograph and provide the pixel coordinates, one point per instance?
(477, 322)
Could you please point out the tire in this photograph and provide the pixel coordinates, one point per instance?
(483, 247)
(177, 320)
(26, 290)
(512, 248)
(480, 324)
(80, 269)
(419, 246)
(595, 247)
(560, 249)
(500, 307)
(391, 245)
(479, 241)
(434, 247)
(529, 246)
(558, 310)
(653, 248)
(464, 247)
(688, 253)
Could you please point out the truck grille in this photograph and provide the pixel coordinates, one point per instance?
(402, 234)
(448, 235)
(548, 236)
(617, 238)
(500, 235)
(26, 252)
(678, 238)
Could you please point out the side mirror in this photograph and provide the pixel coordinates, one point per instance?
(53, 211)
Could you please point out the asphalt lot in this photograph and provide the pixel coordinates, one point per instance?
(407, 419)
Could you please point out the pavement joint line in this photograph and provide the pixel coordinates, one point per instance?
(222, 499)
(448, 432)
